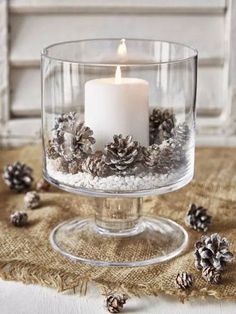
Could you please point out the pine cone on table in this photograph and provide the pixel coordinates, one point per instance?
(197, 218)
(115, 302)
(212, 251)
(183, 281)
(32, 200)
(122, 155)
(95, 165)
(161, 124)
(19, 219)
(18, 176)
(211, 275)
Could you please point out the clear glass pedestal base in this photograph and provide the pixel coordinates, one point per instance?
(150, 241)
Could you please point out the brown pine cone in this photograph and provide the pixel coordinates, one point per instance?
(211, 275)
(115, 302)
(32, 200)
(183, 281)
(197, 218)
(19, 219)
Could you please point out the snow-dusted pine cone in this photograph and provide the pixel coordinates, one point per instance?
(95, 165)
(183, 281)
(65, 122)
(19, 219)
(197, 218)
(157, 158)
(161, 124)
(122, 155)
(115, 302)
(211, 275)
(181, 134)
(18, 176)
(71, 140)
(32, 200)
(212, 251)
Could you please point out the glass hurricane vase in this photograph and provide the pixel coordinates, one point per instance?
(118, 120)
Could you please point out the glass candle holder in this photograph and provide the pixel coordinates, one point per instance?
(118, 120)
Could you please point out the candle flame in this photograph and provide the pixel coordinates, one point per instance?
(118, 75)
(122, 48)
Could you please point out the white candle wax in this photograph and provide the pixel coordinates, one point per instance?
(113, 107)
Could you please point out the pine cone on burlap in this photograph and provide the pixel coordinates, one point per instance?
(42, 185)
(32, 200)
(161, 124)
(184, 281)
(71, 140)
(211, 275)
(122, 155)
(212, 251)
(115, 302)
(18, 176)
(95, 165)
(19, 219)
(197, 218)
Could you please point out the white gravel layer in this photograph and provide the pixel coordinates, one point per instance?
(142, 181)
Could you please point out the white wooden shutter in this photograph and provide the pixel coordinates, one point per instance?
(33, 24)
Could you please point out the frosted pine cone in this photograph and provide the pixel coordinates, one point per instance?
(211, 275)
(32, 200)
(115, 302)
(19, 219)
(122, 155)
(74, 166)
(18, 176)
(158, 159)
(161, 124)
(197, 218)
(181, 134)
(71, 140)
(65, 121)
(183, 281)
(212, 251)
(82, 140)
(95, 165)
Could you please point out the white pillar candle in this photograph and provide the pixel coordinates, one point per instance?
(117, 106)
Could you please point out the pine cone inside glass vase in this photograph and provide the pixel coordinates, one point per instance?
(162, 158)
(197, 218)
(95, 165)
(181, 134)
(161, 124)
(212, 251)
(71, 139)
(122, 155)
(18, 176)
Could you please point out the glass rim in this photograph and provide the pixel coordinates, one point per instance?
(44, 53)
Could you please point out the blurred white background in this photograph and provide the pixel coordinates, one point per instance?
(26, 26)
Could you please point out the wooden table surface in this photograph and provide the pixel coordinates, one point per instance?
(16, 298)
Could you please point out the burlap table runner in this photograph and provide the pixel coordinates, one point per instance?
(25, 254)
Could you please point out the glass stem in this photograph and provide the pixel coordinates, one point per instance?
(118, 215)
